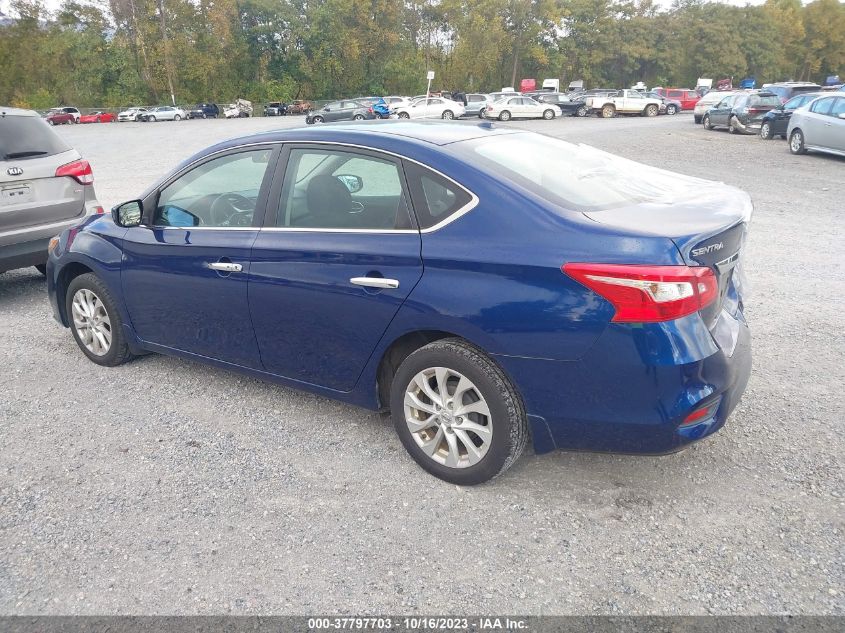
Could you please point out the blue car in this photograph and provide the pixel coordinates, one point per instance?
(489, 287)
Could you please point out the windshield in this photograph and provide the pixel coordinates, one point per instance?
(28, 137)
(576, 177)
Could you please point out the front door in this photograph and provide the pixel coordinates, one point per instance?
(185, 272)
(720, 113)
(333, 264)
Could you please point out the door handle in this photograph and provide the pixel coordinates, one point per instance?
(375, 282)
(226, 267)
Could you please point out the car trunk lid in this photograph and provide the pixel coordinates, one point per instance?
(32, 195)
(707, 225)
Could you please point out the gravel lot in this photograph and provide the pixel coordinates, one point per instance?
(164, 486)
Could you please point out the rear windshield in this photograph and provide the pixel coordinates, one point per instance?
(763, 100)
(28, 137)
(576, 177)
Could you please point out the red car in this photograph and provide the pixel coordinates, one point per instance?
(687, 98)
(59, 117)
(98, 117)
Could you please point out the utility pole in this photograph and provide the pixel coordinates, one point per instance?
(168, 69)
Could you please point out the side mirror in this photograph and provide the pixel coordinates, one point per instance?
(128, 214)
(327, 109)
(353, 183)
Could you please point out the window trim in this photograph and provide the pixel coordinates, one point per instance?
(281, 169)
(151, 201)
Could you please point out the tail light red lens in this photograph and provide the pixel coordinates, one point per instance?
(79, 170)
(702, 413)
(648, 294)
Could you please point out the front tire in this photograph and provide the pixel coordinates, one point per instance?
(457, 413)
(95, 321)
(549, 115)
(766, 131)
(317, 119)
(651, 110)
(177, 118)
(608, 111)
(796, 142)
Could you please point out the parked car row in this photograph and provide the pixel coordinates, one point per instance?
(811, 120)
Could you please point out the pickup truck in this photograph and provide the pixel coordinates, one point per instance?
(623, 102)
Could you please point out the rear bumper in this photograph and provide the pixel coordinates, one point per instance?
(28, 247)
(632, 390)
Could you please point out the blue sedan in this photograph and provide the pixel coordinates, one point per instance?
(489, 287)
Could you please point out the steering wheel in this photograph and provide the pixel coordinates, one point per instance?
(231, 209)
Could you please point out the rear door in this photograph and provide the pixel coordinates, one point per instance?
(30, 193)
(336, 259)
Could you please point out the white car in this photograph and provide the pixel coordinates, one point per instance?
(164, 113)
(508, 108)
(131, 114)
(394, 103)
(431, 108)
(708, 101)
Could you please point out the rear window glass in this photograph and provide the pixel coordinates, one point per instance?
(28, 137)
(576, 177)
(764, 100)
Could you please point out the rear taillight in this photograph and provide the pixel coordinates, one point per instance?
(79, 170)
(648, 293)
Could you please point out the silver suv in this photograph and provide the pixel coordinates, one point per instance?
(45, 187)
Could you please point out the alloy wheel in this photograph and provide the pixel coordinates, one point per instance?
(448, 417)
(766, 131)
(91, 322)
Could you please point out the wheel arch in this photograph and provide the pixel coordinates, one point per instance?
(396, 352)
(66, 275)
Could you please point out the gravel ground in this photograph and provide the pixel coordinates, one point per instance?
(167, 487)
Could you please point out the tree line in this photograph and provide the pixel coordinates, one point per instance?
(117, 52)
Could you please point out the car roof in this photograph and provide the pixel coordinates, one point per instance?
(428, 133)
(8, 111)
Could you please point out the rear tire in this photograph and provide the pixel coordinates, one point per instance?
(696, 119)
(447, 115)
(671, 109)
(478, 444)
(359, 117)
(404, 115)
(151, 119)
(99, 312)
(796, 142)
(505, 116)
(766, 131)
(732, 128)
(706, 122)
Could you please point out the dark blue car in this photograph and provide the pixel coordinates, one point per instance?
(489, 287)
